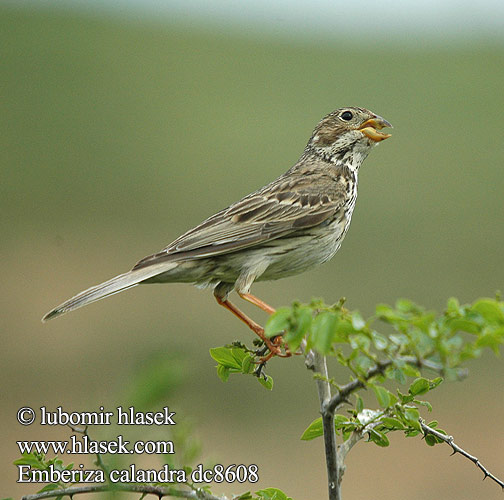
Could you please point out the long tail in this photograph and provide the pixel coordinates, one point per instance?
(110, 287)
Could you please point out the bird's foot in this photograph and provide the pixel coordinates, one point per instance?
(276, 347)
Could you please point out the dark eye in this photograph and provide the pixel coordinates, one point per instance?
(346, 115)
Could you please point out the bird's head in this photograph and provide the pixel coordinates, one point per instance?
(348, 131)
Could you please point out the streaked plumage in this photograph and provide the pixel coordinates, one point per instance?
(294, 223)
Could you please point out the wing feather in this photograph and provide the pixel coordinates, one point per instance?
(273, 212)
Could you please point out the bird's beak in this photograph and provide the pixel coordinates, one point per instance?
(371, 127)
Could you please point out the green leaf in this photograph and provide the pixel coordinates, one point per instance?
(410, 370)
(392, 423)
(419, 386)
(453, 306)
(463, 325)
(489, 309)
(387, 313)
(399, 339)
(244, 496)
(247, 364)
(49, 487)
(405, 398)
(341, 421)
(226, 357)
(379, 341)
(223, 372)
(301, 322)
(314, 430)
(358, 322)
(382, 395)
(343, 329)
(430, 440)
(323, 328)
(359, 406)
(411, 433)
(406, 306)
(424, 403)
(267, 383)
(362, 363)
(378, 438)
(278, 322)
(360, 341)
(491, 339)
(30, 459)
(399, 375)
(272, 494)
(412, 415)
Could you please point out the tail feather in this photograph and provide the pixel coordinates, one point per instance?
(110, 287)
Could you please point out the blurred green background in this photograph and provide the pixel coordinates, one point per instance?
(117, 135)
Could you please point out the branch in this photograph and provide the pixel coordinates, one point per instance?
(146, 489)
(457, 449)
(99, 462)
(317, 363)
(344, 448)
(379, 369)
(352, 386)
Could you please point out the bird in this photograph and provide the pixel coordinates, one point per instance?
(294, 223)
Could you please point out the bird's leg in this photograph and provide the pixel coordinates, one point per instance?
(257, 329)
(277, 340)
(257, 302)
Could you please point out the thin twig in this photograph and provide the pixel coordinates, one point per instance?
(379, 369)
(99, 462)
(354, 438)
(461, 373)
(457, 449)
(352, 386)
(145, 489)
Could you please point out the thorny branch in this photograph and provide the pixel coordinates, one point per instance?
(335, 455)
(145, 489)
(457, 449)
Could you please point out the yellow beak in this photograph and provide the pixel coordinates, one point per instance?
(370, 128)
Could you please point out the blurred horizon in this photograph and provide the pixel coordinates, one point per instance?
(120, 132)
(321, 20)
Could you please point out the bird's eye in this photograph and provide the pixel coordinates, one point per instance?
(346, 115)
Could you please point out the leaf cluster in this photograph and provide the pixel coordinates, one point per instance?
(397, 413)
(38, 461)
(392, 347)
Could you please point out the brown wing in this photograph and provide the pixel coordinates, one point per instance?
(275, 211)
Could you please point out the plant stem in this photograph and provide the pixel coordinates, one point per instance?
(317, 363)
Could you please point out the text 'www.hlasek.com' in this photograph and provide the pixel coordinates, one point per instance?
(40, 470)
